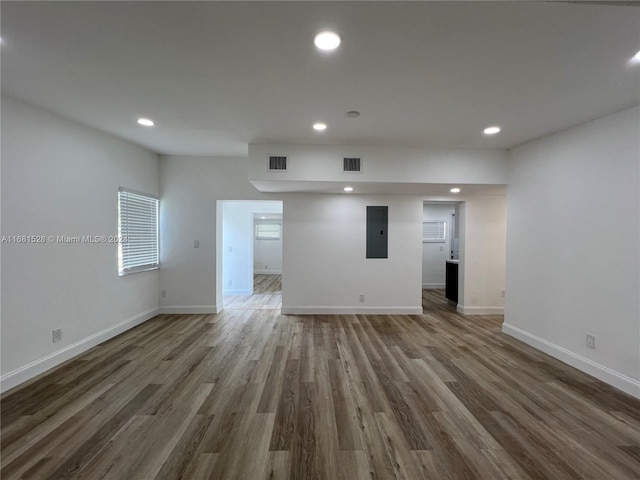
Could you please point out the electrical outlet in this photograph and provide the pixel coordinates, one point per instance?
(442, 249)
(229, 282)
(163, 294)
(591, 341)
(502, 293)
(361, 298)
(56, 335)
(230, 249)
(266, 267)
(196, 244)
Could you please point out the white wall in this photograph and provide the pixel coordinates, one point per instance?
(434, 255)
(267, 254)
(324, 264)
(482, 254)
(61, 178)
(237, 249)
(573, 257)
(191, 188)
(381, 164)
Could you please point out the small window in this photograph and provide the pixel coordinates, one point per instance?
(268, 231)
(138, 232)
(433, 231)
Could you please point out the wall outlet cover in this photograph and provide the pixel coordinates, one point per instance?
(56, 335)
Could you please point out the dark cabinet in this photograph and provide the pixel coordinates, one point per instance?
(451, 282)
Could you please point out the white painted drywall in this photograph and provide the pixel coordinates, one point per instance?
(267, 254)
(191, 189)
(482, 254)
(381, 164)
(324, 264)
(573, 257)
(61, 178)
(237, 249)
(434, 255)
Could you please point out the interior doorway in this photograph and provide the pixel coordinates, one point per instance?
(439, 245)
(250, 247)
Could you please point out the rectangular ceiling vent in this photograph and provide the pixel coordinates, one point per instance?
(277, 164)
(351, 165)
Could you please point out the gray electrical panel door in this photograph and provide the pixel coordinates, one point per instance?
(377, 223)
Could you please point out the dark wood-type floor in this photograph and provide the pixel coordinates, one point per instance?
(252, 394)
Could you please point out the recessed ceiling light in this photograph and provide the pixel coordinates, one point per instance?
(146, 122)
(348, 189)
(263, 218)
(320, 126)
(455, 190)
(327, 40)
(635, 59)
(353, 114)
(491, 130)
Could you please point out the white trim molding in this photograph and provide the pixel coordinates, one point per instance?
(317, 310)
(616, 379)
(267, 272)
(428, 286)
(35, 368)
(190, 309)
(480, 310)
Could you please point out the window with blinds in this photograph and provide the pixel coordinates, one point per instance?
(433, 231)
(138, 232)
(268, 231)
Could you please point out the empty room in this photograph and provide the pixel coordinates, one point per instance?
(320, 240)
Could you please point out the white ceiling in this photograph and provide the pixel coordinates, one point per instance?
(216, 76)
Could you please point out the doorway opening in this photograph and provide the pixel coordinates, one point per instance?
(440, 251)
(250, 248)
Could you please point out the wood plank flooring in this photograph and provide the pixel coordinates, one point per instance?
(252, 394)
(267, 294)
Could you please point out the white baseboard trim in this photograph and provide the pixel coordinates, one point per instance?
(27, 372)
(480, 310)
(267, 272)
(613, 378)
(238, 291)
(311, 310)
(427, 286)
(190, 309)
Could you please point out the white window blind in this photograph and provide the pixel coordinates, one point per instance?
(267, 231)
(138, 231)
(433, 231)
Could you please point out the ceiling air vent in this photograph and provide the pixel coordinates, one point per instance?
(277, 163)
(351, 165)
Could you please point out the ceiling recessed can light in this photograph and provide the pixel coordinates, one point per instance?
(146, 122)
(635, 59)
(353, 114)
(320, 126)
(491, 130)
(455, 190)
(348, 189)
(327, 40)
